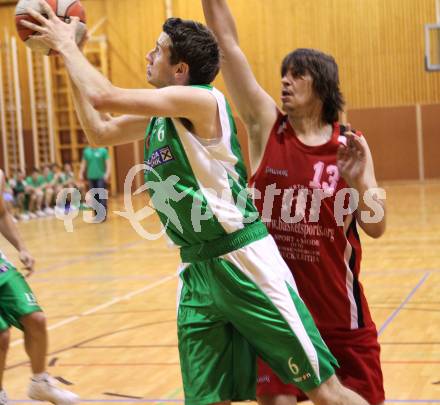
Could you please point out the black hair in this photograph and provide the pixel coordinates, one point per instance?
(324, 71)
(194, 44)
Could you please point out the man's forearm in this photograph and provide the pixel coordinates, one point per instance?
(10, 232)
(92, 121)
(372, 205)
(88, 80)
(220, 20)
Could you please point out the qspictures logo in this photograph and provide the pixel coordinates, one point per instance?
(165, 196)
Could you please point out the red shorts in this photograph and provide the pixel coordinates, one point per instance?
(358, 354)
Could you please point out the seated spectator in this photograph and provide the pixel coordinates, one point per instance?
(8, 196)
(21, 197)
(35, 188)
(49, 189)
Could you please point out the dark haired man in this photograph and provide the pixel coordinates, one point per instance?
(300, 153)
(236, 296)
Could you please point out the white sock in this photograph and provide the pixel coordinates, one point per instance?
(40, 376)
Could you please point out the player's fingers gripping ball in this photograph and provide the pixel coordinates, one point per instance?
(34, 12)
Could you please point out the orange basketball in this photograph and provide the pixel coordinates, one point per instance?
(64, 9)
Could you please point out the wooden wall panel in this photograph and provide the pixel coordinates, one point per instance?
(2, 161)
(392, 136)
(132, 29)
(95, 10)
(431, 140)
(124, 160)
(29, 150)
(378, 44)
(7, 25)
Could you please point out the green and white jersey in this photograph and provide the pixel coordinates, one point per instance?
(30, 181)
(3, 259)
(48, 179)
(197, 186)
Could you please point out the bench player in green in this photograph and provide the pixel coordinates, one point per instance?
(237, 296)
(35, 185)
(48, 189)
(19, 308)
(18, 184)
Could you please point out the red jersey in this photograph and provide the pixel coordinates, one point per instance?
(324, 253)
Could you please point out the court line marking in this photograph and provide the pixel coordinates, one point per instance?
(405, 301)
(413, 401)
(89, 256)
(410, 361)
(396, 272)
(117, 364)
(420, 148)
(107, 304)
(177, 391)
(166, 400)
(402, 343)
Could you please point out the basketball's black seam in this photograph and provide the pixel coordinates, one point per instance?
(59, 16)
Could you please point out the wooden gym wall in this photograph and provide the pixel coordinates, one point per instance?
(378, 46)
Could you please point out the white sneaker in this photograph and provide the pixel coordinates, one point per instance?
(47, 390)
(32, 215)
(3, 398)
(40, 214)
(48, 211)
(24, 217)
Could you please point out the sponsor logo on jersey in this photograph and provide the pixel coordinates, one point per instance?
(304, 377)
(277, 172)
(159, 157)
(30, 298)
(4, 268)
(263, 379)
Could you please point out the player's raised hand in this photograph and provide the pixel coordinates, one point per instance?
(352, 160)
(28, 261)
(51, 30)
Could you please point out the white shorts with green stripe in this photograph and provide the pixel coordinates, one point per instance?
(235, 307)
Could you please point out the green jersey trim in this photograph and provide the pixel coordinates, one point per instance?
(227, 244)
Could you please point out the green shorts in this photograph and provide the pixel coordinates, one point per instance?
(16, 297)
(238, 305)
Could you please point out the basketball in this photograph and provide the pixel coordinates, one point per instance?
(64, 9)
